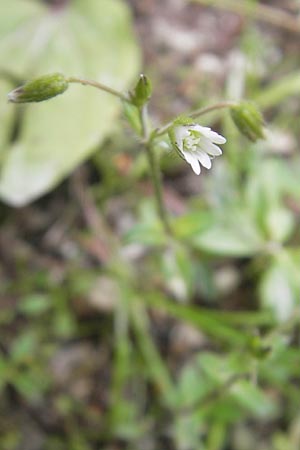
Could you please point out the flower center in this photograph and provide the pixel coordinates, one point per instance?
(191, 143)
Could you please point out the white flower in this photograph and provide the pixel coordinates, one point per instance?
(197, 145)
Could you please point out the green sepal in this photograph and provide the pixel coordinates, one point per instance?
(249, 120)
(131, 113)
(39, 89)
(142, 91)
(179, 121)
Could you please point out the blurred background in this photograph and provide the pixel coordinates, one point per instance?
(114, 336)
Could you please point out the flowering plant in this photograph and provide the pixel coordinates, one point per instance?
(195, 143)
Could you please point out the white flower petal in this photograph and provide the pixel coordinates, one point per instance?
(196, 166)
(193, 161)
(204, 159)
(210, 148)
(197, 145)
(200, 128)
(209, 134)
(216, 138)
(181, 132)
(189, 157)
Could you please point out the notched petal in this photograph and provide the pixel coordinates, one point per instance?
(193, 161)
(204, 159)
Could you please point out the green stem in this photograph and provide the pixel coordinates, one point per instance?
(100, 86)
(154, 169)
(156, 180)
(156, 367)
(194, 114)
(144, 123)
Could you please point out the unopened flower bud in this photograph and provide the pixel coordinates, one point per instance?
(248, 120)
(39, 89)
(142, 91)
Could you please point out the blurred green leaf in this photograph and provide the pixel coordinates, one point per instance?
(283, 363)
(85, 39)
(34, 305)
(188, 431)
(149, 230)
(253, 399)
(234, 234)
(192, 223)
(192, 386)
(147, 234)
(280, 285)
(243, 391)
(31, 383)
(280, 223)
(215, 324)
(131, 112)
(178, 271)
(279, 90)
(24, 346)
(268, 184)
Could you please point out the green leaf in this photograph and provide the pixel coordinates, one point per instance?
(178, 271)
(85, 39)
(192, 223)
(216, 324)
(244, 393)
(279, 90)
(147, 234)
(265, 192)
(280, 223)
(253, 399)
(24, 347)
(235, 236)
(131, 113)
(149, 230)
(34, 305)
(280, 286)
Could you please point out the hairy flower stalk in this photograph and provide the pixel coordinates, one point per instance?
(195, 143)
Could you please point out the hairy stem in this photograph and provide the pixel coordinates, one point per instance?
(194, 114)
(154, 170)
(156, 180)
(100, 86)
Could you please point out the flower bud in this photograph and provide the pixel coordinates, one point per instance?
(39, 89)
(142, 91)
(248, 120)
